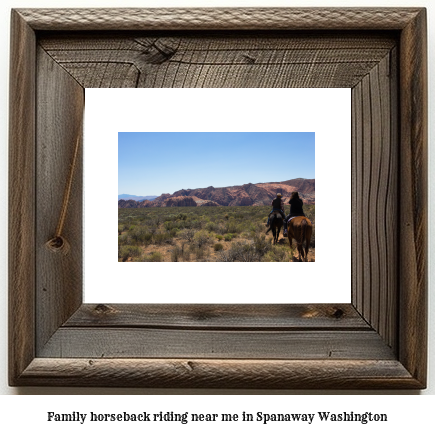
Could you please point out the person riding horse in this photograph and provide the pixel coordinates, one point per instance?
(295, 209)
(277, 205)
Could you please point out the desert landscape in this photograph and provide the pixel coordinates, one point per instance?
(225, 224)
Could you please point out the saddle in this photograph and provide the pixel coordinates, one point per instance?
(277, 213)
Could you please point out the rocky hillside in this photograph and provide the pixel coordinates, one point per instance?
(240, 195)
(179, 201)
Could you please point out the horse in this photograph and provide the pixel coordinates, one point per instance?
(300, 228)
(276, 222)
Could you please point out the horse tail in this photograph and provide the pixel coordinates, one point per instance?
(303, 230)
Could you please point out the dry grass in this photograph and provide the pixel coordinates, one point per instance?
(191, 234)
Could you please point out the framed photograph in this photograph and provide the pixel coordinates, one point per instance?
(375, 341)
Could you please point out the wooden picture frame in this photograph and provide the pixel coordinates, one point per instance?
(377, 341)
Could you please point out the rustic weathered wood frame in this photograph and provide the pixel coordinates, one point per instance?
(378, 341)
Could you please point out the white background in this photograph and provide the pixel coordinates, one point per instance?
(409, 413)
(324, 111)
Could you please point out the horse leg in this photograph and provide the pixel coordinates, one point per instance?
(308, 241)
(299, 252)
(304, 256)
(307, 245)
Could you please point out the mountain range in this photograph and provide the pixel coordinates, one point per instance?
(136, 198)
(239, 195)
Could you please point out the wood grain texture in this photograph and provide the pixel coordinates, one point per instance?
(240, 374)
(234, 61)
(60, 105)
(220, 18)
(127, 342)
(413, 198)
(253, 317)
(357, 199)
(375, 198)
(21, 197)
(379, 342)
(390, 123)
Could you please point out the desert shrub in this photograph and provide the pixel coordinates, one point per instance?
(185, 253)
(141, 236)
(184, 224)
(161, 238)
(173, 232)
(152, 227)
(199, 252)
(195, 224)
(157, 220)
(231, 226)
(125, 252)
(220, 229)
(259, 226)
(219, 237)
(240, 228)
(247, 226)
(123, 240)
(211, 226)
(167, 218)
(217, 247)
(201, 238)
(278, 254)
(168, 225)
(228, 237)
(261, 244)
(244, 251)
(176, 254)
(313, 238)
(187, 234)
(309, 212)
(153, 257)
(226, 256)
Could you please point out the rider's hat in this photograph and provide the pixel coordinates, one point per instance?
(278, 195)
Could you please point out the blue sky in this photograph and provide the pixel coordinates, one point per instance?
(157, 163)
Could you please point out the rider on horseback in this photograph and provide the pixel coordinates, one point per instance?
(277, 205)
(295, 209)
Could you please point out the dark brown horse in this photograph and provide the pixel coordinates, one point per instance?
(276, 222)
(300, 228)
